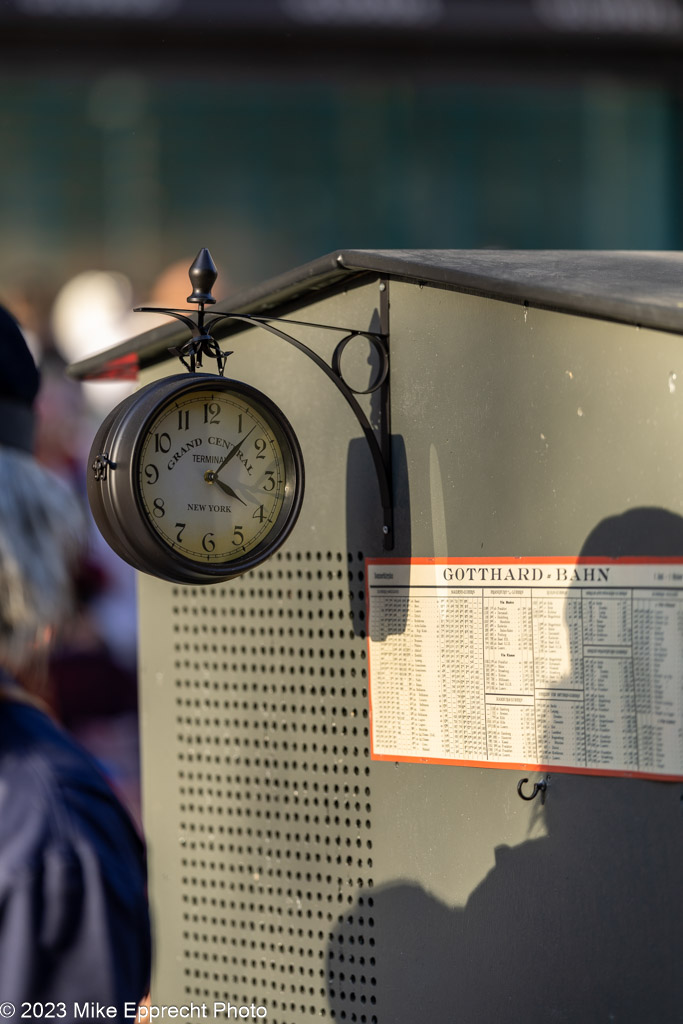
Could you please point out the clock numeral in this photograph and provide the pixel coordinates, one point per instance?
(238, 536)
(208, 543)
(159, 511)
(152, 473)
(179, 527)
(260, 446)
(239, 424)
(211, 410)
(162, 443)
(258, 514)
(183, 419)
(269, 485)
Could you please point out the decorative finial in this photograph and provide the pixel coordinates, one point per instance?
(203, 275)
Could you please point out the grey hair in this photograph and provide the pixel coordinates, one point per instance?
(42, 527)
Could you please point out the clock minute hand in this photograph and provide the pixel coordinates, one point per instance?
(227, 489)
(231, 454)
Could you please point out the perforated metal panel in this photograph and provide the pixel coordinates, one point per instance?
(274, 784)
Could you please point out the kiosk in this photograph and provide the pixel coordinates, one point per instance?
(334, 744)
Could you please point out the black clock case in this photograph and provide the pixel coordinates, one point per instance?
(113, 490)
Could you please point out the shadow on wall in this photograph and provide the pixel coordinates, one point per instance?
(584, 925)
(364, 514)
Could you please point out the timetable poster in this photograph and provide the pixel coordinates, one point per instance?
(569, 664)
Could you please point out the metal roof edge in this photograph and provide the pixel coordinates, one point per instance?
(643, 288)
(638, 287)
(271, 293)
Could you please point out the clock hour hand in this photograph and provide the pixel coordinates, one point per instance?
(233, 451)
(228, 490)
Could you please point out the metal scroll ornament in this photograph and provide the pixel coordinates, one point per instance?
(197, 478)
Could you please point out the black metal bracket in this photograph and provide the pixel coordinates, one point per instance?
(203, 275)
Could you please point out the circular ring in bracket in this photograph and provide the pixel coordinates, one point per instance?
(378, 346)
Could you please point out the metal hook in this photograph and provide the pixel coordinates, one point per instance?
(539, 787)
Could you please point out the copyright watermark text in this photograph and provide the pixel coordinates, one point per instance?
(131, 1011)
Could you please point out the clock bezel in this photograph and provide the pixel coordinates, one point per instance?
(117, 503)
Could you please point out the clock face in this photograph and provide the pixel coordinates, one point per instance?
(195, 478)
(212, 474)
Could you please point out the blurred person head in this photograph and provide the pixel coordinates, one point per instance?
(41, 521)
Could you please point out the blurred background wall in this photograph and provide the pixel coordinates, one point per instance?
(135, 131)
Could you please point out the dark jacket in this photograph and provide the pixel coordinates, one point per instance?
(74, 924)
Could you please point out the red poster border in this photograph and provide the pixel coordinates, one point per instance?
(511, 560)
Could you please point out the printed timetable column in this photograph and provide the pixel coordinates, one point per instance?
(509, 674)
(611, 732)
(405, 704)
(658, 670)
(461, 668)
(558, 676)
